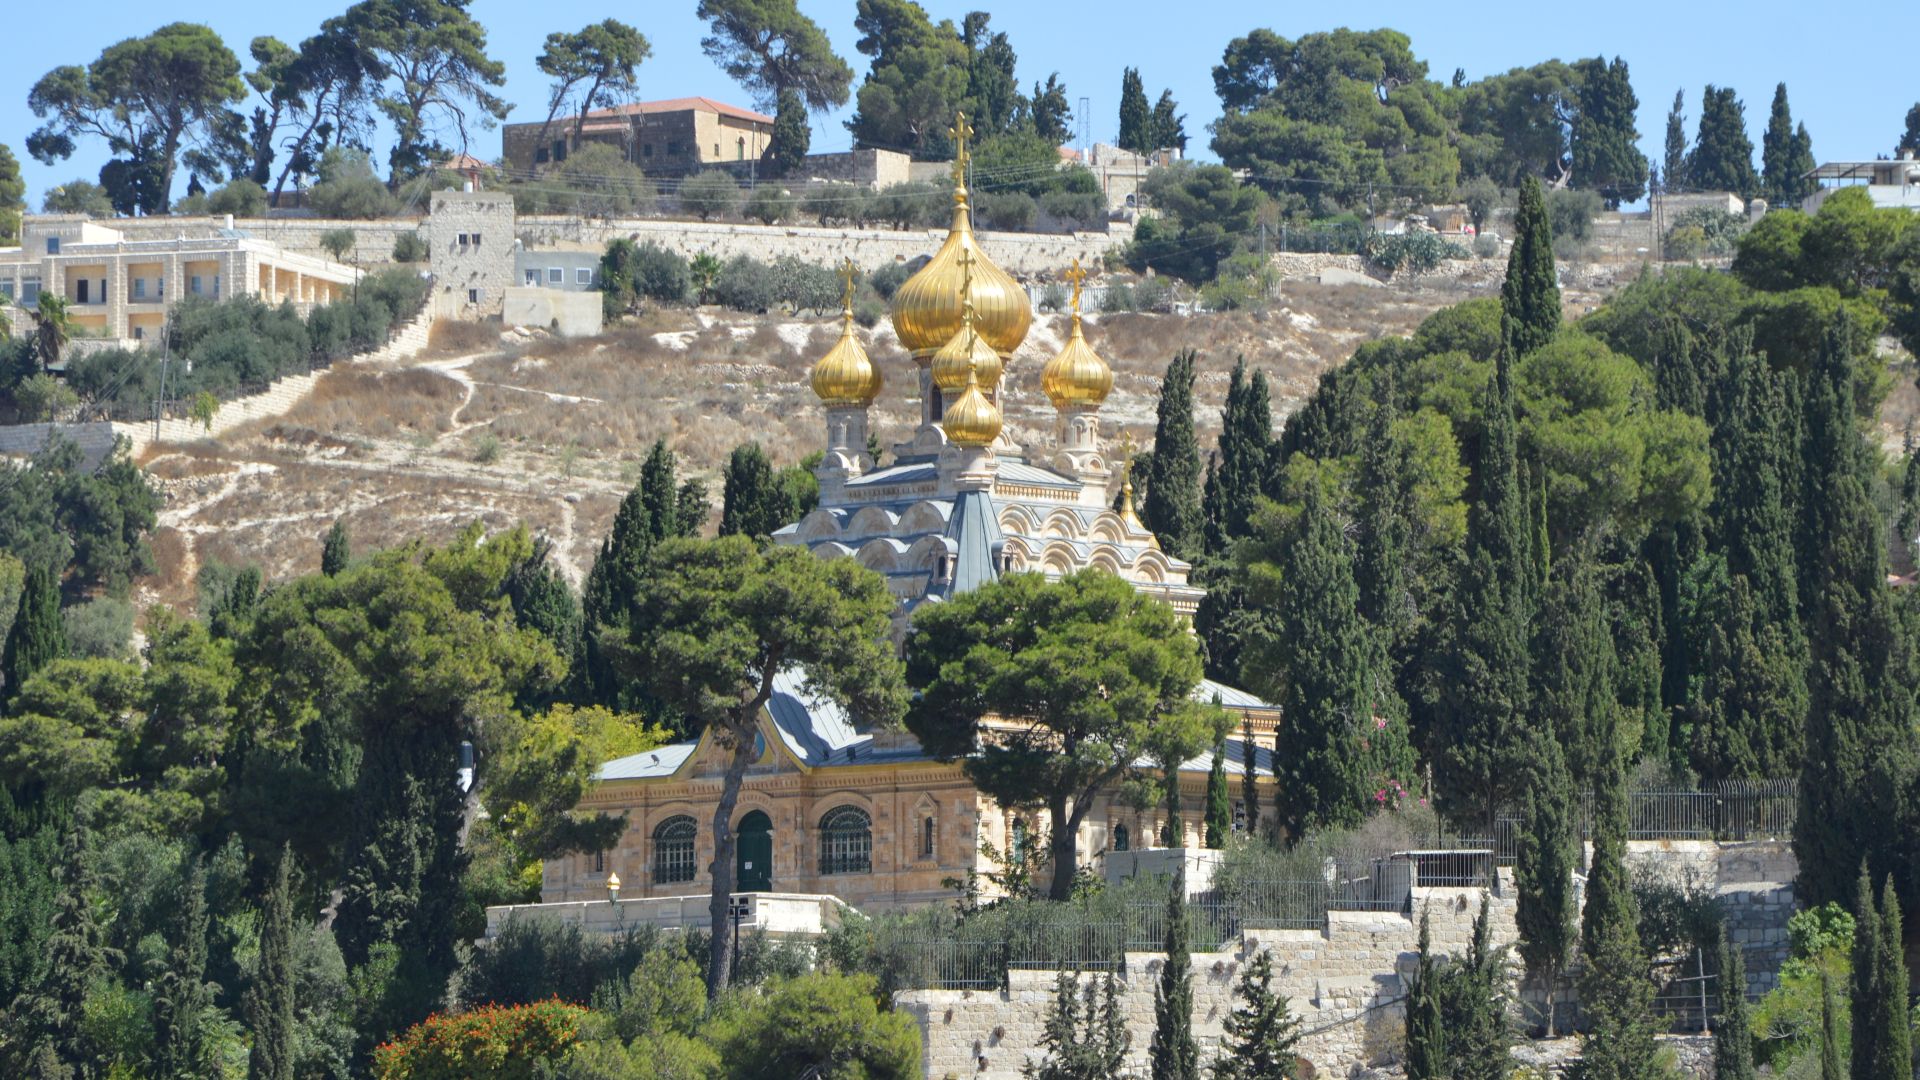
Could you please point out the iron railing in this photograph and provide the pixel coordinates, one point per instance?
(1731, 810)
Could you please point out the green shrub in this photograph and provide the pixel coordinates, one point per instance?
(348, 188)
(410, 247)
(1011, 211)
(535, 961)
(907, 204)
(770, 205)
(814, 1023)
(888, 277)
(490, 1043)
(837, 201)
(595, 181)
(337, 242)
(486, 450)
(1571, 213)
(1486, 247)
(1704, 232)
(1053, 297)
(241, 198)
(100, 629)
(1229, 292)
(630, 272)
(1413, 252)
(1118, 298)
(709, 195)
(1075, 209)
(41, 397)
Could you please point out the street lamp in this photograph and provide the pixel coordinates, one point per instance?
(613, 888)
(737, 908)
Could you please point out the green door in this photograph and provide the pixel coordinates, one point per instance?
(754, 854)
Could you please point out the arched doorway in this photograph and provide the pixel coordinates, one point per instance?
(753, 868)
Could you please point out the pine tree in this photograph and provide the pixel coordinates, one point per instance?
(1860, 752)
(1329, 685)
(38, 636)
(1173, 1055)
(1260, 1033)
(338, 549)
(1733, 1029)
(787, 147)
(1673, 172)
(1544, 873)
(1219, 802)
(1426, 1033)
(1486, 673)
(755, 502)
(270, 999)
(1616, 995)
(1530, 296)
(1172, 507)
(182, 1048)
(1605, 151)
(1722, 158)
(1136, 117)
(1786, 155)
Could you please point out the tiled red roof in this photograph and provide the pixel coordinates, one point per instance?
(684, 104)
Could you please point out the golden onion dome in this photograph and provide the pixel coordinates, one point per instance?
(972, 419)
(927, 308)
(845, 376)
(967, 350)
(1077, 376)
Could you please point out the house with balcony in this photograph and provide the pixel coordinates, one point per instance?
(1889, 183)
(122, 289)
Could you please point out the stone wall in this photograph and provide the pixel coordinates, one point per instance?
(295, 234)
(1346, 981)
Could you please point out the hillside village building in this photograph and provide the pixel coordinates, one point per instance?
(1894, 183)
(121, 288)
(675, 136)
(833, 807)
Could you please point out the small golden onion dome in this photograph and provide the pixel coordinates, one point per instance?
(972, 420)
(845, 376)
(927, 308)
(965, 351)
(1077, 376)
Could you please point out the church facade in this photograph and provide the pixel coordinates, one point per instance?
(831, 807)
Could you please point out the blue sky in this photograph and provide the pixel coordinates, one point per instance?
(1849, 70)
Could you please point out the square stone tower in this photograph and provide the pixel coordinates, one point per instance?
(471, 234)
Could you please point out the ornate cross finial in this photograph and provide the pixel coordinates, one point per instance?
(847, 275)
(1076, 275)
(960, 132)
(1127, 512)
(966, 286)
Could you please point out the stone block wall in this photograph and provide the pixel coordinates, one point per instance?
(470, 240)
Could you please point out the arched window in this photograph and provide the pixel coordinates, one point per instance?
(846, 841)
(1122, 839)
(673, 850)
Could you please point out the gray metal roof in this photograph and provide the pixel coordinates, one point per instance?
(975, 531)
(1230, 697)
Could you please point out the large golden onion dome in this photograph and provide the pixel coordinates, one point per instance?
(972, 420)
(967, 350)
(845, 376)
(927, 308)
(1077, 376)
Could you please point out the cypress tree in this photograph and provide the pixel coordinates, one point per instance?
(1328, 689)
(755, 502)
(1673, 170)
(787, 147)
(1219, 803)
(1733, 1029)
(1786, 155)
(1246, 439)
(1473, 1007)
(1544, 873)
(608, 595)
(182, 1049)
(1891, 1015)
(1261, 1033)
(1250, 775)
(337, 552)
(1173, 1055)
(666, 506)
(1213, 511)
(1387, 513)
(1136, 116)
(270, 1000)
(1722, 158)
(1530, 296)
(1616, 994)
(1860, 752)
(1172, 507)
(37, 637)
(1480, 736)
(1426, 1033)
(47, 1022)
(1574, 668)
(1830, 1067)
(1605, 151)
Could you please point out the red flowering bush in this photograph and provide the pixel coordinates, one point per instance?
(492, 1042)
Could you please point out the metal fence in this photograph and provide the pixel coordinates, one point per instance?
(1731, 810)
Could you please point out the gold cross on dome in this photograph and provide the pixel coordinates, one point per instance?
(966, 279)
(1076, 275)
(847, 275)
(960, 132)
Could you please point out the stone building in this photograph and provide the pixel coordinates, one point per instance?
(680, 135)
(471, 246)
(832, 806)
(122, 289)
